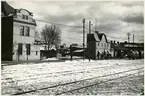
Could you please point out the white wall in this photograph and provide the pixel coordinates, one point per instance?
(105, 47)
(24, 39)
(32, 55)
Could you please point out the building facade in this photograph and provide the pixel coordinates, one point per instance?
(23, 35)
(97, 44)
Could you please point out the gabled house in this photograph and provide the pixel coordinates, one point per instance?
(97, 44)
(18, 34)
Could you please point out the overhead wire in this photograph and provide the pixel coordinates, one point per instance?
(58, 23)
(68, 26)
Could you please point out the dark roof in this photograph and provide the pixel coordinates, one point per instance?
(90, 37)
(30, 13)
(100, 35)
(6, 8)
(118, 47)
(132, 43)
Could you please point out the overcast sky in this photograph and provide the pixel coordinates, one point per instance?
(115, 18)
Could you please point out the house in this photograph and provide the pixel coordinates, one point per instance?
(97, 44)
(18, 34)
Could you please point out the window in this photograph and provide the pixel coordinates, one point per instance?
(23, 16)
(28, 49)
(102, 44)
(20, 48)
(26, 17)
(98, 43)
(21, 30)
(36, 52)
(27, 31)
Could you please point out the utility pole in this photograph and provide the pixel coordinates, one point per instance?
(95, 24)
(83, 37)
(89, 40)
(89, 27)
(133, 40)
(128, 34)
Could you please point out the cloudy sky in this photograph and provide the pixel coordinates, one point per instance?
(114, 18)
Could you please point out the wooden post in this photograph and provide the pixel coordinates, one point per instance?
(83, 37)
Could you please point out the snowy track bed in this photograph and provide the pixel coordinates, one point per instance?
(81, 84)
(58, 78)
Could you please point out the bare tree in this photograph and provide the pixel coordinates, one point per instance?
(51, 36)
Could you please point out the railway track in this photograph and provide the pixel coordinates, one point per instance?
(62, 73)
(84, 83)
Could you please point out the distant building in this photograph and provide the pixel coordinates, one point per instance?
(18, 34)
(135, 48)
(117, 49)
(97, 44)
(129, 50)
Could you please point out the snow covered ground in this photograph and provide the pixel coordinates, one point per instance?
(25, 77)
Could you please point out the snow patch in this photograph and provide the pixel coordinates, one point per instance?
(50, 59)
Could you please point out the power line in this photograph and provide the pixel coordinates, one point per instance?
(67, 25)
(58, 23)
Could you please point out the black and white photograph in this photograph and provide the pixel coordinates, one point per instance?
(72, 47)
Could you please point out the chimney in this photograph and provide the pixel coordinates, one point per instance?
(111, 41)
(118, 42)
(114, 42)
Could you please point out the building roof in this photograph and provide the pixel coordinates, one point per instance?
(91, 37)
(6, 9)
(97, 37)
(118, 47)
(30, 13)
(138, 44)
(100, 35)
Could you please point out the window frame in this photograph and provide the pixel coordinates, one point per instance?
(23, 16)
(27, 31)
(26, 17)
(36, 52)
(20, 48)
(28, 49)
(22, 32)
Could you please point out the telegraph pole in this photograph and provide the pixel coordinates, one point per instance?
(133, 40)
(95, 24)
(128, 34)
(89, 27)
(83, 37)
(89, 40)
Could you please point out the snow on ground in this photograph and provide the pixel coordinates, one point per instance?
(30, 76)
(50, 59)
